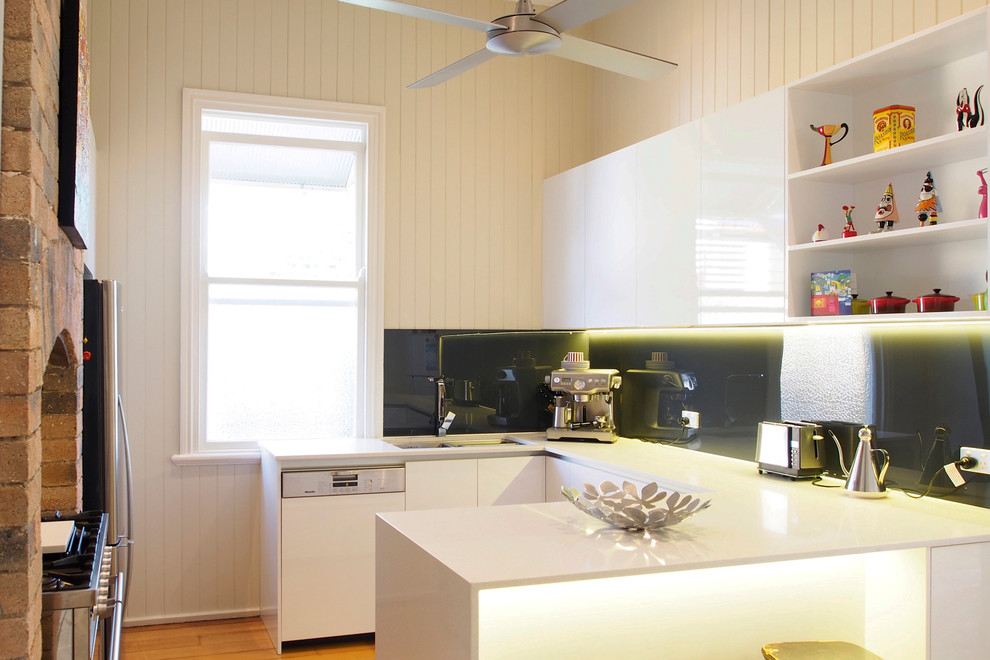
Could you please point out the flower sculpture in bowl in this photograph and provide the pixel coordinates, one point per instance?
(634, 510)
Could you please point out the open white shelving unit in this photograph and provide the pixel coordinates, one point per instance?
(926, 71)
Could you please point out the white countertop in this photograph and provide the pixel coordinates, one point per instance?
(327, 452)
(753, 518)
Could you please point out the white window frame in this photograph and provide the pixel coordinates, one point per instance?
(193, 308)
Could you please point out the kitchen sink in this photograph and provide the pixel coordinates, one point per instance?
(458, 443)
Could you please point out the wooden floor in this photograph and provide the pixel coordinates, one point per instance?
(232, 638)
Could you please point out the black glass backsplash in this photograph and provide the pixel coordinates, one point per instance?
(904, 381)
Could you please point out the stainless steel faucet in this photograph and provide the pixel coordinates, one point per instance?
(443, 418)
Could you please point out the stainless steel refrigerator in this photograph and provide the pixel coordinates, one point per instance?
(106, 480)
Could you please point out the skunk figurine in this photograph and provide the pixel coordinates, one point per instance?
(968, 116)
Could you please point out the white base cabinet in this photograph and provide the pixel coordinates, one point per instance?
(960, 606)
(474, 482)
(574, 475)
(511, 480)
(441, 484)
(328, 564)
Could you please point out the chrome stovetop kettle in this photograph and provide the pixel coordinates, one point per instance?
(863, 480)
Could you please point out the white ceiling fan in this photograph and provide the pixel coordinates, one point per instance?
(525, 32)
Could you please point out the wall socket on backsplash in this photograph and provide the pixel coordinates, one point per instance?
(981, 456)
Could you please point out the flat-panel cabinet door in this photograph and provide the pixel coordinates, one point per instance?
(610, 241)
(328, 564)
(959, 608)
(511, 480)
(441, 484)
(668, 199)
(557, 474)
(563, 250)
(582, 474)
(740, 241)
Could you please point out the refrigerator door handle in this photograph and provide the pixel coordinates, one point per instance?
(128, 537)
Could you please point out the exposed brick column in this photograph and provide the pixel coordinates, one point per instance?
(40, 315)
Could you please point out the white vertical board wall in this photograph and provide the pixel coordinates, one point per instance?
(463, 170)
(730, 50)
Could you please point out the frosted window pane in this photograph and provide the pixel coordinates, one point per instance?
(264, 231)
(281, 362)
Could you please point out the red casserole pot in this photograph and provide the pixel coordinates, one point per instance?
(889, 304)
(936, 302)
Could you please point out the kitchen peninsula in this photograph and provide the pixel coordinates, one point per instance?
(772, 560)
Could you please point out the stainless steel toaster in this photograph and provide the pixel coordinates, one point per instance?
(791, 449)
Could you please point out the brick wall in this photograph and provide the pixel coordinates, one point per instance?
(40, 322)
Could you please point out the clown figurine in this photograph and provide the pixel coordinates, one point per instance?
(886, 214)
(848, 231)
(928, 205)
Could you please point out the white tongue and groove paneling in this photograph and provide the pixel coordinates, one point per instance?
(464, 166)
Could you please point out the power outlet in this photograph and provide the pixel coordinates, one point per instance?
(691, 419)
(980, 455)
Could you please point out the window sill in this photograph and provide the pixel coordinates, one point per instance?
(218, 458)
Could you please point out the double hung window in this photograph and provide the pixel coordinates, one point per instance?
(280, 298)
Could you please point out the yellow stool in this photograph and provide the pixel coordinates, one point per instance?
(817, 651)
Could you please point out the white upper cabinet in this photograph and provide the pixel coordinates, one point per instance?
(610, 241)
(926, 71)
(740, 234)
(668, 198)
(563, 250)
(684, 228)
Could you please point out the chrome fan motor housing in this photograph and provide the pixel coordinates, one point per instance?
(522, 35)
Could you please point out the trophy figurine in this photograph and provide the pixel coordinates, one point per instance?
(828, 131)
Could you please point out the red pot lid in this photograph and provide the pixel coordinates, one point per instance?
(938, 296)
(890, 298)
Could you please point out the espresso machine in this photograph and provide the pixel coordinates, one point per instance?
(583, 401)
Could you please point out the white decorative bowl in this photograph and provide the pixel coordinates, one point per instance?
(634, 510)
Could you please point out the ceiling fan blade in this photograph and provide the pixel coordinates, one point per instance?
(613, 59)
(457, 68)
(572, 13)
(423, 12)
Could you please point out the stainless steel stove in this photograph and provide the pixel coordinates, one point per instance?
(78, 590)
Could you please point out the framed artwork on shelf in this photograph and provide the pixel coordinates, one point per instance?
(76, 148)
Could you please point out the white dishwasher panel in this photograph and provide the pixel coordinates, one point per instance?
(328, 563)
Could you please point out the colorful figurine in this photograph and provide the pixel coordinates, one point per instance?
(928, 205)
(969, 116)
(828, 131)
(886, 214)
(820, 235)
(982, 190)
(848, 231)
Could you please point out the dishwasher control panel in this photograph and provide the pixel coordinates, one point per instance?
(348, 481)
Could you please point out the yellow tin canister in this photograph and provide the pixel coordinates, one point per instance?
(892, 127)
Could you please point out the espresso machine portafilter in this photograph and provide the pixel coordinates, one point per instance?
(583, 401)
